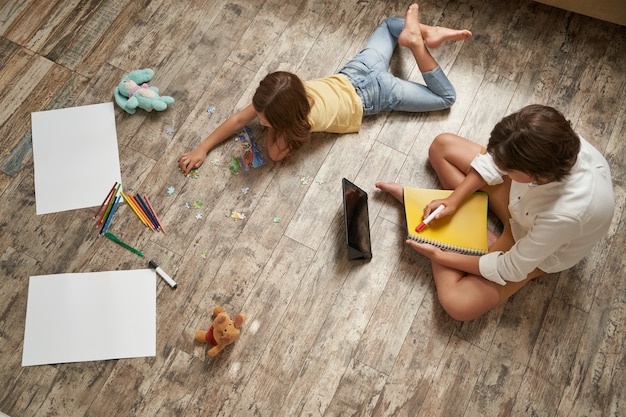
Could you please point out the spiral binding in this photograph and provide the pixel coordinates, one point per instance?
(448, 247)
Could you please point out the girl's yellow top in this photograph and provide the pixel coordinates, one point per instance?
(336, 106)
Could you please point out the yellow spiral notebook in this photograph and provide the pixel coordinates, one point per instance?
(465, 231)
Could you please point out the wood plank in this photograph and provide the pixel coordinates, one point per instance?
(156, 38)
(489, 107)
(454, 380)
(545, 63)
(592, 390)
(48, 24)
(496, 389)
(551, 361)
(107, 43)
(335, 38)
(512, 53)
(30, 20)
(71, 43)
(28, 69)
(416, 366)
(269, 23)
(128, 376)
(10, 12)
(69, 394)
(170, 392)
(15, 128)
(522, 319)
(15, 268)
(357, 391)
(606, 94)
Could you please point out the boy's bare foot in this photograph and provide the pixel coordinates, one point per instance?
(436, 35)
(393, 188)
(411, 35)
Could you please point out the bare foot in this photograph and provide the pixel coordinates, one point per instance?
(436, 35)
(393, 188)
(411, 35)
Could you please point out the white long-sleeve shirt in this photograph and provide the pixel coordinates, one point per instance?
(554, 225)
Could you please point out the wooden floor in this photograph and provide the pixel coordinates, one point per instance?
(324, 335)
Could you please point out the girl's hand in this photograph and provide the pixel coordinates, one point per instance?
(191, 160)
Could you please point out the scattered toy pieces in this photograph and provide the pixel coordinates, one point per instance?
(192, 174)
(215, 161)
(307, 180)
(245, 190)
(170, 190)
(234, 166)
(210, 109)
(276, 219)
(198, 215)
(170, 131)
(237, 215)
(204, 254)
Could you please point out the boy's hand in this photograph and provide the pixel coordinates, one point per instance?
(425, 249)
(432, 206)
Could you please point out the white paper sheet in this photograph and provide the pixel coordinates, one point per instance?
(90, 316)
(75, 155)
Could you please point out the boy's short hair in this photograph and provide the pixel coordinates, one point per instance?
(538, 141)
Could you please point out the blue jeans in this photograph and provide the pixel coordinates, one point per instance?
(380, 91)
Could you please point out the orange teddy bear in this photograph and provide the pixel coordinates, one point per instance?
(222, 332)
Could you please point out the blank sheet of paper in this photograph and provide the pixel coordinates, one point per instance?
(90, 316)
(75, 156)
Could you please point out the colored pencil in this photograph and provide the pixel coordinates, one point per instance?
(155, 215)
(109, 205)
(106, 199)
(108, 222)
(147, 211)
(141, 212)
(132, 207)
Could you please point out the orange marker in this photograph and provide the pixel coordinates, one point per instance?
(430, 218)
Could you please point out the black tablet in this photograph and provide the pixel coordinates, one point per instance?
(356, 220)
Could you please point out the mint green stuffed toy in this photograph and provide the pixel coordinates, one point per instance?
(134, 92)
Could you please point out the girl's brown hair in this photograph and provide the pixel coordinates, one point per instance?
(281, 97)
(538, 141)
